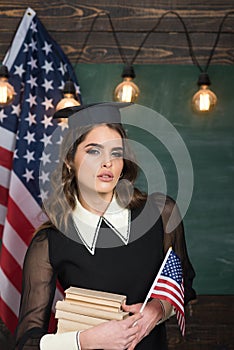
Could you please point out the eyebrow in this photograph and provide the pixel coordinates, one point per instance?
(93, 145)
(101, 146)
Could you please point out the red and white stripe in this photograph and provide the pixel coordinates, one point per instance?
(169, 290)
(6, 154)
(20, 214)
(23, 215)
(8, 138)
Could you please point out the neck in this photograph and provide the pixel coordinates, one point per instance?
(95, 204)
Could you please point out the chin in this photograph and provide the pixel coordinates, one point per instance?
(105, 189)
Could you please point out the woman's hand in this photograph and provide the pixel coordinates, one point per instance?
(112, 335)
(151, 315)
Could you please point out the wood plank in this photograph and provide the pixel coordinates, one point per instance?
(202, 337)
(157, 50)
(102, 48)
(128, 19)
(132, 20)
(208, 325)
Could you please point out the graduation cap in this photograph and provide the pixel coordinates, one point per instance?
(96, 113)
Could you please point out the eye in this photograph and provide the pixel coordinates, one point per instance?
(93, 151)
(117, 154)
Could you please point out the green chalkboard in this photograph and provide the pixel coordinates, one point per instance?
(209, 221)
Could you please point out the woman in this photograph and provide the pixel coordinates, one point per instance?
(103, 234)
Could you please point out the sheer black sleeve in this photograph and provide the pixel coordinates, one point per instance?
(174, 236)
(39, 283)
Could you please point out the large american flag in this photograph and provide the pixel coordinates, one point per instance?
(38, 69)
(169, 286)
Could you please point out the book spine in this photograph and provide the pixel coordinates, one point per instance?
(89, 311)
(70, 326)
(93, 300)
(93, 305)
(90, 293)
(79, 318)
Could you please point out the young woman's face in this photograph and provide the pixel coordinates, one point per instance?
(99, 162)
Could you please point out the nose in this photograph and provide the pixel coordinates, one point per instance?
(106, 163)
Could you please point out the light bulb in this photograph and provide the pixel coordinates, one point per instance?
(127, 90)
(7, 91)
(204, 100)
(68, 99)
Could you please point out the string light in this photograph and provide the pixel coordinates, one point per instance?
(7, 91)
(70, 98)
(127, 90)
(132, 90)
(204, 100)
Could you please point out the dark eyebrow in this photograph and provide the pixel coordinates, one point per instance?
(94, 145)
(117, 148)
(101, 146)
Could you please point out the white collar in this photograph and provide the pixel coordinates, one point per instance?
(87, 224)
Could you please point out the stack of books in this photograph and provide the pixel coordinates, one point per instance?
(85, 308)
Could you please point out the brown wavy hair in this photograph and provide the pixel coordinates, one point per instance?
(62, 200)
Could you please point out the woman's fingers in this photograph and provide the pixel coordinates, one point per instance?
(133, 341)
(132, 320)
(135, 308)
(132, 329)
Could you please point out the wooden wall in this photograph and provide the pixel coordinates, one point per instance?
(209, 322)
(69, 22)
(209, 326)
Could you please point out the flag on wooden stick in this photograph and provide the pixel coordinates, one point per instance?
(38, 70)
(168, 285)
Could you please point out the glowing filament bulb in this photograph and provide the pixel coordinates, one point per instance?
(3, 94)
(204, 99)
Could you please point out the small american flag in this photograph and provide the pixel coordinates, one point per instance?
(38, 69)
(169, 286)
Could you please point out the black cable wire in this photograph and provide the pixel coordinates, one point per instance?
(193, 57)
(191, 51)
(122, 55)
(87, 36)
(217, 39)
(190, 46)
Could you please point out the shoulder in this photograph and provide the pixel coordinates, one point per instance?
(158, 201)
(40, 239)
(164, 202)
(169, 211)
(40, 246)
(44, 232)
(38, 243)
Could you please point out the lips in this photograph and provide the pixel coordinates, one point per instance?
(106, 176)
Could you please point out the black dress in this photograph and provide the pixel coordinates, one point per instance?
(125, 269)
